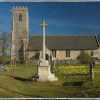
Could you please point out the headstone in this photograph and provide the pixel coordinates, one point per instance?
(93, 64)
(92, 70)
(53, 64)
(1, 68)
(44, 72)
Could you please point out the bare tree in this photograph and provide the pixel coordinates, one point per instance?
(1, 21)
(4, 44)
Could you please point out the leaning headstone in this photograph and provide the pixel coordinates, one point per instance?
(93, 64)
(92, 70)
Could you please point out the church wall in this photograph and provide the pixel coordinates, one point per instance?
(31, 54)
(74, 54)
(61, 54)
(96, 53)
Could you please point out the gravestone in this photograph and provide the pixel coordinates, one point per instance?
(53, 64)
(44, 73)
(1, 68)
(92, 64)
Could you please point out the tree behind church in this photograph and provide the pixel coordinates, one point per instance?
(84, 57)
(4, 46)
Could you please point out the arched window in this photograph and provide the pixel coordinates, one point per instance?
(92, 53)
(20, 17)
(67, 53)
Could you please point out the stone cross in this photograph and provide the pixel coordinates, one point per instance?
(43, 25)
(44, 73)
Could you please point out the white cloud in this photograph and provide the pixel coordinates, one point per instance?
(62, 23)
(57, 23)
(93, 26)
(65, 23)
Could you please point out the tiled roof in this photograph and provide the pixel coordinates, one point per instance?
(98, 38)
(71, 42)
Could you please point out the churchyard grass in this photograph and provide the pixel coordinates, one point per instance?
(16, 82)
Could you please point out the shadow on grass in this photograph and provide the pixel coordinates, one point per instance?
(23, 94)
(73, 83)
(20, 78)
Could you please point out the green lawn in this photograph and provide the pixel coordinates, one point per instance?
(16, 83)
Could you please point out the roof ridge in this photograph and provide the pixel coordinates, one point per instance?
(64, 35)
(70, 35)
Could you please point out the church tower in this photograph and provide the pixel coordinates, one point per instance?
(20, 32)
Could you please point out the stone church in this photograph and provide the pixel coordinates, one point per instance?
(62, 47)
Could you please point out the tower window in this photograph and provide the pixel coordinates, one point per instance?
(20, 17)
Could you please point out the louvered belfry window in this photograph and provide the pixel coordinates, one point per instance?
(20, 17)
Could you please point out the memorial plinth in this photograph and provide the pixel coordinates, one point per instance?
(44, 73)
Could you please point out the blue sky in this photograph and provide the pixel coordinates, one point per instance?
(62, 18)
